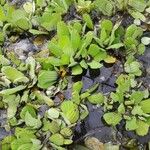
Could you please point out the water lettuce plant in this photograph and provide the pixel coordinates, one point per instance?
(32, 91)
(115, 37)
(136, 8)
(129, 105)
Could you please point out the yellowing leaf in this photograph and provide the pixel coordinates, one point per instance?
(110, 59)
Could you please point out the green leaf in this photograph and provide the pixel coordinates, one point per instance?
(68, 141)
(66, 132)
(4, 61)
(77, 86)
(142, 129)
(133, 68)
(52, 113)
(31, 64)
(54, 127)
(47, 78)
(70, 111)
(145, 40)
(88, 20)
(14, 75)
(18, 142)
(12, 90)
(5, 144)
(116, 46)
(131, 124)
(145, 105)
(93, 50)
(1, 37)
(57, 139)
(62, 30)
(75, 39)
(12, 102)
(23, 23)
(117, 97)
(96, 98)
(83, 64)
(137, 110)
(66, 45)
(94, 64)
(76, 70)
(107, 25)
(112, 36)
(141, 49)
(112, 118)
(49, 21)
(123, 82)
(121, 109)
(133, 31)
(137, 15)
(26, 109)
(137, 96)
(31, 121)
(54, 48)
(24, 133)
(65, 59)
(29, 7)
(138, 5)
(37, 32)
(105, 6)
(43, 98)
(83, 111)
(110, 59)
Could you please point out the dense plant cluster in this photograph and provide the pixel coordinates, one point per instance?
(78, 44)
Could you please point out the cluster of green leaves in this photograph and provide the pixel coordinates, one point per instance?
(77, 45)
(73, 49)
(70, 48)
(22, 96)
(116, 37)
(37, 17)
(138, 9)
(130, 105)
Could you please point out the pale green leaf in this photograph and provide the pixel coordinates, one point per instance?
(52, 113)
(112, 118)
(145, 105)
(94, 64)
(70, 110)
(13, 74)
(76, 70)
(12, 90)
(57, 139)
(31, 121)
(142, 129)
(88, 20)
(97, 98)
